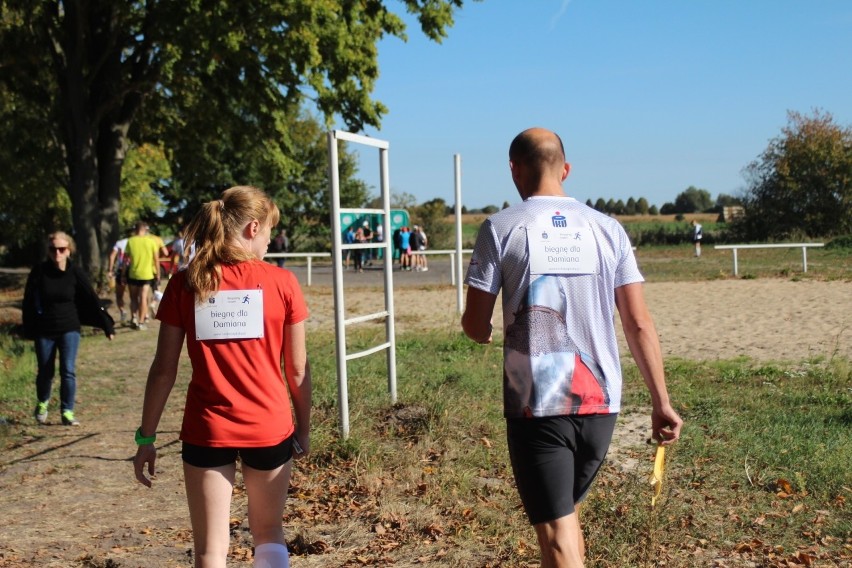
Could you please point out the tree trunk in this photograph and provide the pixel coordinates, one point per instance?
(83, 190)
(112, 149)
(97, 115)
(79, 136)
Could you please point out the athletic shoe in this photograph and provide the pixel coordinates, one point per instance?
(41, 412)
(425, 269)
(142, 327)
(122, 316)
(68, 419)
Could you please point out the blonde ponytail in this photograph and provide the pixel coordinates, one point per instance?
(213, 233)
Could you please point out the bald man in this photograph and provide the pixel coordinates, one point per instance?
(564, 268)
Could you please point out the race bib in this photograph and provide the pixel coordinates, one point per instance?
(230, 314)
(559, 245)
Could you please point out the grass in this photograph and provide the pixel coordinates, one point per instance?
(761, 474)
(677, 263)
(17, 382)
(17, 360)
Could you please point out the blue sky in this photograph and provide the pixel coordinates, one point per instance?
(649, 97)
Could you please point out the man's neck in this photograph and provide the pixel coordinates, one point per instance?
(547, 190)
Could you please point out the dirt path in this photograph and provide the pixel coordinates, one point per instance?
(68, 497)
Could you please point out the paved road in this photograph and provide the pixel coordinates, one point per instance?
(321, 274)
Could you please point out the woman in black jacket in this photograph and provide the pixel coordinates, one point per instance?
(58, 299)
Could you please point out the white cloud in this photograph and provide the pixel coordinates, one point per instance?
(556, 17)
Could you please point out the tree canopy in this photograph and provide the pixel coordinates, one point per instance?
(95, 77)
(801, 185)
(693, 200)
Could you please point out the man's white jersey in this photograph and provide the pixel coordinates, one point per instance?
(558, 263)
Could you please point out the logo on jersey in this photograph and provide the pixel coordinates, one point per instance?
(559, 220)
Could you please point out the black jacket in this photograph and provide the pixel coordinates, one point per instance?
(88, 304)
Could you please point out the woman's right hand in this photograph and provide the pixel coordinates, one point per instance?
(301, 446)
(145, 453)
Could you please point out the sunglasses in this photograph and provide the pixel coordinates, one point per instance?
(57, 249)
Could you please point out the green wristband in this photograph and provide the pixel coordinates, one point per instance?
(144, 440)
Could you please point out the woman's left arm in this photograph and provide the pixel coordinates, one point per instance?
(89, 305)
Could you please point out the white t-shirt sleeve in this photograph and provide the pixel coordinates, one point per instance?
(626, 271)
(483, 272)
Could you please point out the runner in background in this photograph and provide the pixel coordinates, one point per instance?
(118, 275)
(143, 271)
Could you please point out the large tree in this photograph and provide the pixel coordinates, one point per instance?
(802, 183)
(289, 160)
(693, 200)
(32, 176)
(90, 67)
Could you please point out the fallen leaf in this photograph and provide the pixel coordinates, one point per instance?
(784, 485)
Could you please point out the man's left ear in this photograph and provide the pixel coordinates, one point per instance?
(566, 169)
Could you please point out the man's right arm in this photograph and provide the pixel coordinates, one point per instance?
(476, 321)
(113, 253)
(645, 347)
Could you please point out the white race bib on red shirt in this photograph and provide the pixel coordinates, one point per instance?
(230, 314)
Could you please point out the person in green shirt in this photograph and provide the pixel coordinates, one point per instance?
(143, 253)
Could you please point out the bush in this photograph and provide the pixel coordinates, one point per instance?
(648, 233)
(841, 242)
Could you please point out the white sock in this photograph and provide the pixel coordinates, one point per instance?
(271, 555)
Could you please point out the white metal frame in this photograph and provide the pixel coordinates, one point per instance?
(804, 247)
(457, 258)
(452, 253)
(338, 246)
(309, 255)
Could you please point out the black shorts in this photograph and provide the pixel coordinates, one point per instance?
(556, 459)
(140, 283)
(264, 459)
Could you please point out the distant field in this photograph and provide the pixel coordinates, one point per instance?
(677, 263)
(477, 218)
(687, 218)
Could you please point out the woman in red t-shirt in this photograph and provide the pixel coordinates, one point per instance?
(242, 319)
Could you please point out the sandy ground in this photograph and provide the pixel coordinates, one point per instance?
(766, 320)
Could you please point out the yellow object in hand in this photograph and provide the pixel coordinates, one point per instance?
(657, 476)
